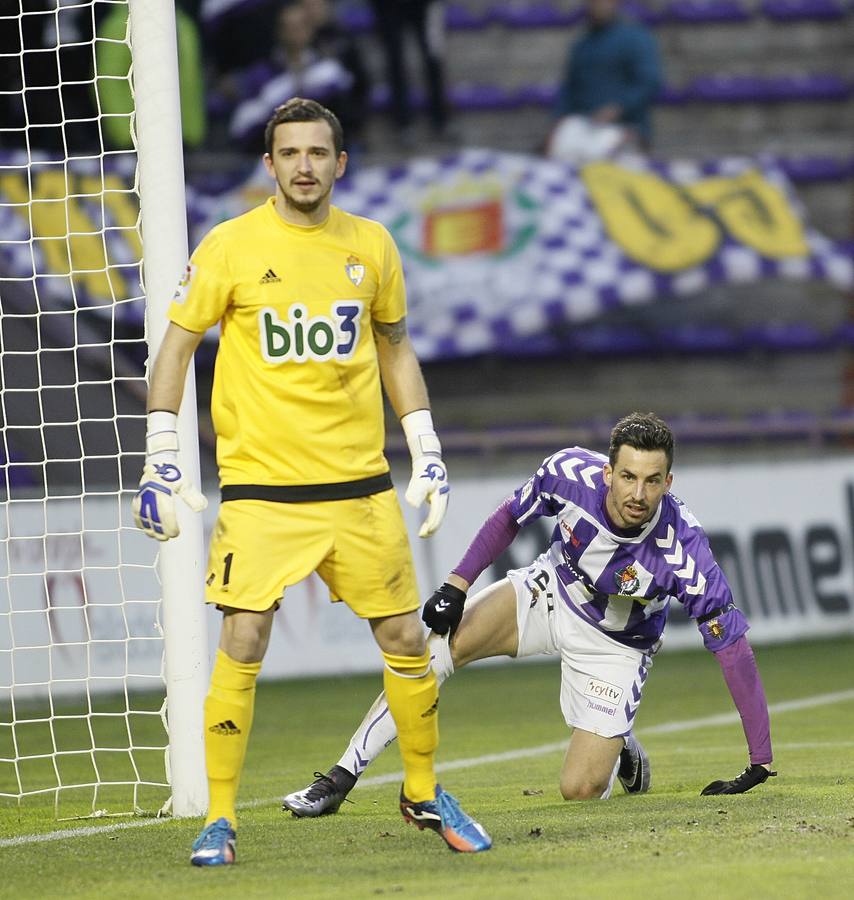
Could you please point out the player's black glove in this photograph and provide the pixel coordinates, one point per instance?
(748, 779)
(443, 611)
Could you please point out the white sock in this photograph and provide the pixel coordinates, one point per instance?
(607, 792)
(377, 730)
(440, 656)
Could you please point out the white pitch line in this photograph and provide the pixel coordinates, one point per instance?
(468, 763)
(727, 718)
(664, 728)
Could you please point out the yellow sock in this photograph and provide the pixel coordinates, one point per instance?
(413, 699)
(228, 720)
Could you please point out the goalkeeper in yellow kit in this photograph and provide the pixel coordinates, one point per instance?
(312, 309)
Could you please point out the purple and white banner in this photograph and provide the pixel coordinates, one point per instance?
(502, 252)
(502, 249)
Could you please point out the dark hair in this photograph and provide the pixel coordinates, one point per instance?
(299, 110)
(643, 431)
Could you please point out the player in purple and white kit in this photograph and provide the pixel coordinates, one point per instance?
(622, 549)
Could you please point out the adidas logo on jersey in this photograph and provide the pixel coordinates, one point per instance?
(270, 277)
(226, 728)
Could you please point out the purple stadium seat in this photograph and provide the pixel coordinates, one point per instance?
(472, 96)
(728, 89)
(844, 335)
(707, 11)
(381, 97)
(536, 95)
(356, 17)
(801, 10)
(644, 12)
(609, 341)
(809, 169)
(757, 89)
(672, 96)
(460, 18)
(783, 423)
(815, 86)
(534, 14)
(698, 339)
(786, 336)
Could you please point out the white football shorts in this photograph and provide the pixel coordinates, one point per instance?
(601, 680)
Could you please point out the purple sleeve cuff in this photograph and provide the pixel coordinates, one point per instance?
(724, 630)
(742, 678)
(495, 536)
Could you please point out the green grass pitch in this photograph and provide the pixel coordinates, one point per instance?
(792, 837)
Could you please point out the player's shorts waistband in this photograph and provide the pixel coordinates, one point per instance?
(307, 493)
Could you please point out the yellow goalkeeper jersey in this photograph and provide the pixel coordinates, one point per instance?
(296, 395)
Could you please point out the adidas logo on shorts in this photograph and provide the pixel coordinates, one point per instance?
(225, 728)
(270, 277)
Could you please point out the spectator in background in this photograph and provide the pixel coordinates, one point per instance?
(295, 67)
(237, 33)
(426, 20)
(612, 76)
(331, 41)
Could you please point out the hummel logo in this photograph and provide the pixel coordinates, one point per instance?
(270, 277)
(226, 728)
(442, 605)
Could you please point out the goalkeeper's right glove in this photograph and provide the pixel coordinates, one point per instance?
(443, 611)
(749, 778)
(154, 503)
(429, 479)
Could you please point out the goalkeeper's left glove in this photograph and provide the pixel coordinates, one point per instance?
(749, 778)
(429, 475)
(162, 479)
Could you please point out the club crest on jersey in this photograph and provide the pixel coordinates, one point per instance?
(355, 270)
(716, 630)
(627, 580)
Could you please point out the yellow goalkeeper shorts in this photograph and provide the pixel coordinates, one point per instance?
(359, 547)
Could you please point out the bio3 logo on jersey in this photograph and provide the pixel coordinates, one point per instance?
(302, 337)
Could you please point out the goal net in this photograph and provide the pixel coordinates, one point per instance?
(84, 720)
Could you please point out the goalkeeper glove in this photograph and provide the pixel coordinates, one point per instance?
(429, 476)
(443, 611)
(162, 479)
(749, 778)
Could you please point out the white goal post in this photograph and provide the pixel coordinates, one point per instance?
(165, 252)
(90, 637)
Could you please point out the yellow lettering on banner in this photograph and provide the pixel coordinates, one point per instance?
(755, 212)
(652, 220)
(71, 243)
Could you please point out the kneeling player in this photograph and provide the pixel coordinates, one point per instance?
(622, 548)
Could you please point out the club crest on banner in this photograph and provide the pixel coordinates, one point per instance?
(470, 216)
